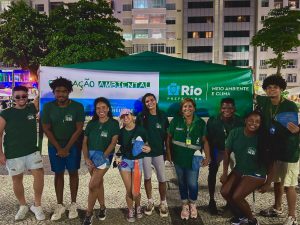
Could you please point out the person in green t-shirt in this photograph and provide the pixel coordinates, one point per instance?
(132, 137)
(187, 136)
(20, 150)
(100, 139)
(283, 142)
(62, 121)
(250, 172)
(155, 123)
(218, 128)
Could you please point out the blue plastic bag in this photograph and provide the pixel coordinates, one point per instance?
(97, 158)
(137, 147)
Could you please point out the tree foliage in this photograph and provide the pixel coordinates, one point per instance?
(280, 33)
(83, 31)
(23, 33)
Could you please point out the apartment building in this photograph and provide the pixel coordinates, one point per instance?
(219, 31)
(151, 25)
(43, 6)
(292, 71)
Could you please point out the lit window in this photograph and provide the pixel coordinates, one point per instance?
(293, 4)
(127, 36)
(157, 19)
(278, 4)
(140, 34)
(141, 19)
(208, 34)
(157, 33)
(195, 34)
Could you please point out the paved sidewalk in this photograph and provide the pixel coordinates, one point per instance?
(115, 200)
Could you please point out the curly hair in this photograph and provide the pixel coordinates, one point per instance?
(61, 82)
(274, 80)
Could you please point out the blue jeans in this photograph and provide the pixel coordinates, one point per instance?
(188, 183)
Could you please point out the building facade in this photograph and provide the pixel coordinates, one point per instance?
(219, 31)
(292, 71)
(151, 25)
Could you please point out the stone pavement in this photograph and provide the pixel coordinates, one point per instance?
(115, 200)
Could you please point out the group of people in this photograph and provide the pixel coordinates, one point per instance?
(258, 148)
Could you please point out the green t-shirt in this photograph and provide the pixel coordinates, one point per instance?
(245, 152)
(20, 138)
(218, 130)
(283, 143)
(156, 127)
(183, 156)
(62, 119)
(126, 140)
(100, 134)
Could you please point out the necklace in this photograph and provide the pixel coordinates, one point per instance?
(273, 114)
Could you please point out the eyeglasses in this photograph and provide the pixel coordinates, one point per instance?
(21, 97)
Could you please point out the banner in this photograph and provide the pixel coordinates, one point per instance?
(125, 89)
(207, 90)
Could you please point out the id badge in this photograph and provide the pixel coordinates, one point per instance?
(272, 129)
(188, 141)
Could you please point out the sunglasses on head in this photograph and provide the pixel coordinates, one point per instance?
(21, 96)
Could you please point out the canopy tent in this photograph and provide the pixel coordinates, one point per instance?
(125, 80)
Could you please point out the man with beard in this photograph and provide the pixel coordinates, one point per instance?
(283, 142)
(62, 121)
(218, 128)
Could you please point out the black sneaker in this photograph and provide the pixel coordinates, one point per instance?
(252, 222)
(88, 220)
(238, 220)
(102, 214)
(212, 207)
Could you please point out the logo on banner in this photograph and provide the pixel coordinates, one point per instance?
(184, 90)
(173, 89)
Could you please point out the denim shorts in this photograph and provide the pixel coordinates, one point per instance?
(21, 164)
(128, 165)
(59, 164)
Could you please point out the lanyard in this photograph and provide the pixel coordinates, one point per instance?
(273, 114)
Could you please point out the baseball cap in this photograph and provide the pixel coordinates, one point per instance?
(125, 112)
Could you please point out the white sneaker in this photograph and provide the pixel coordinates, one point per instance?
(58, 211)
(291, 221)
(21, 212)
(38, 212)
(73, 211)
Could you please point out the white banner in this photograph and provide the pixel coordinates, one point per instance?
(122, 88)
